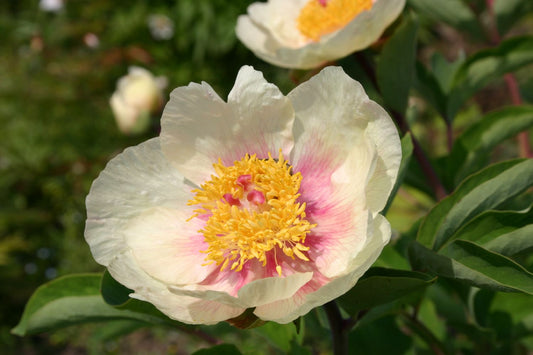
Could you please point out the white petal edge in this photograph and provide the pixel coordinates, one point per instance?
(133, 182)
(181, 308)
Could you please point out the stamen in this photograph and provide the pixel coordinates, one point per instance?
(250, 210)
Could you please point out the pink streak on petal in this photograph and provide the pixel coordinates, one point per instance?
(256, 197)
(323, 2)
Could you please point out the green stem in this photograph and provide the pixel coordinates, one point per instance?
(339, 328)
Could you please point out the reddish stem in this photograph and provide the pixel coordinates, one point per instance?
(512, 85)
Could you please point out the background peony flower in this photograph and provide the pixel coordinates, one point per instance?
(265, 201)
(138, 95)
(304, 34)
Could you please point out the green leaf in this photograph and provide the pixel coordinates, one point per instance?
(114, 293)
(453, 12)
(407, 151)
(379, 286)
(444, 71)
(482, 191)
(396, 65)
(280, 335)
(471, 151)
(76, 299)
(509, 12)
(222, 349)
(427, 85)
(474, 265)
(485, 66)
(504, 232)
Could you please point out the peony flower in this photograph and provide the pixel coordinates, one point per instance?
(138, 95)
(265, 201)
(305, 34)
(51, 5)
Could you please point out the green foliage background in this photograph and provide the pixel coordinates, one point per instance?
(57, 133)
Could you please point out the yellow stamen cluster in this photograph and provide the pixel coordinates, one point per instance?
(320, 17)
(236, 233)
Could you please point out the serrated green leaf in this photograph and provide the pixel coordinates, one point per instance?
(465, 261)
(471, 151)
(407, 152)
(75, 299)
(396, 65)
(380, 286)
(486, 66)
(222, 349)
(482, 191)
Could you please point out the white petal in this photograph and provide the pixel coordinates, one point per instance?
(252, 292)
(181, 308)
(276, 26)
(133, 182)
(168, 247)
(198, 128)
(287, 310)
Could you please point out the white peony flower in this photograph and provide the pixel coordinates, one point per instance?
(265, 201)
(138, 94)
(51, 5)
(305, 34)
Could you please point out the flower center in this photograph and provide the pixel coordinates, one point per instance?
(251, 212)
(320, 17)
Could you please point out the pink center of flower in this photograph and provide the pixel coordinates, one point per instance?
(251, 211)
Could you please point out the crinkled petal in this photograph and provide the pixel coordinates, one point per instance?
(198, 127)
(285, 311)
(168, 247)
(181, 308)
(132, 183)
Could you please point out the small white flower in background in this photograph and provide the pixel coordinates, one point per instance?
(51, 5)
(138, 95)
(161, 27)
(265, 201)
(304, 34)
(91, 40)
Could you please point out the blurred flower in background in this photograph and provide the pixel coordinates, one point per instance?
(138, 95)
(305, 34)
(161, 26)
(51, 5)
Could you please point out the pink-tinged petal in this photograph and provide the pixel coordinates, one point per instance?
(198, 127)
(168, 247)
(311, 296)
(253, 286)
(181, 308)
(134, 182)
(337, 161)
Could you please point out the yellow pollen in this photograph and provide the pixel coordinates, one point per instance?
(251, 212)
(321, 17)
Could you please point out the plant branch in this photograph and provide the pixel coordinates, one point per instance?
(510, 81)
(339, 328)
